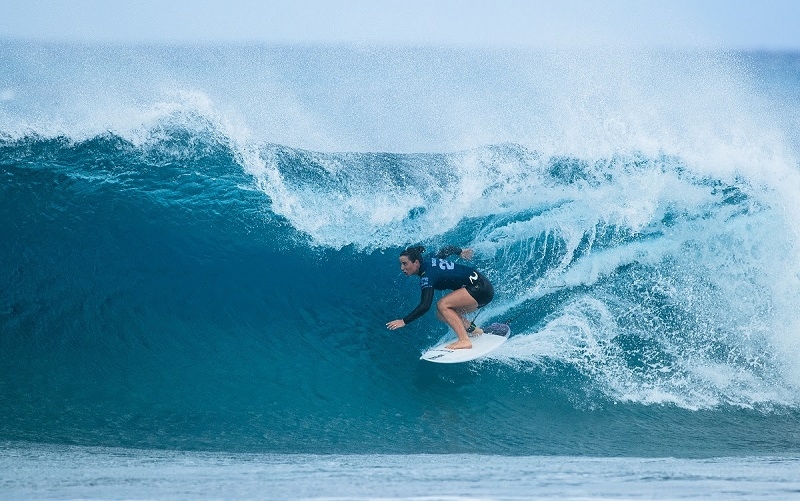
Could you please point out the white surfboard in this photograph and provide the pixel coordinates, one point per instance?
(492, 337)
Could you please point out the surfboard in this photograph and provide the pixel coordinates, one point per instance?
(493, 336)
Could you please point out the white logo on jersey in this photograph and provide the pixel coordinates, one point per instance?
(442, 264)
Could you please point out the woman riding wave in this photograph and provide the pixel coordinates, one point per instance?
(471, 290)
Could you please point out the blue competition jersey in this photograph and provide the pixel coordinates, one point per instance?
(441, 274)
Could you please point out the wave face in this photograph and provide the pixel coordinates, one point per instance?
(187, 266)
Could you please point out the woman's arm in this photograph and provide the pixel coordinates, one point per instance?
(452, 249)
(424, 305)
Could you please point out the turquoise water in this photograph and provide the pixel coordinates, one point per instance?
(199, 253)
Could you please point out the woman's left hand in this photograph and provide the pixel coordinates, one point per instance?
(395, 324)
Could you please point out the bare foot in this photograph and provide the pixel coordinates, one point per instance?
(477, 332)
(459, 345)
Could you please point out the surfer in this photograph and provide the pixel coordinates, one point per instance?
(471, 290)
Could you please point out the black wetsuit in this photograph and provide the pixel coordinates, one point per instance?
(436, 273)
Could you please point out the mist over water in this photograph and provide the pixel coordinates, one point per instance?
(200, 247)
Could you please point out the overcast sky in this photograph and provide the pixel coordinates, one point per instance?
(755, 24)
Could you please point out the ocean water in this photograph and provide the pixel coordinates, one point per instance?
(58, 472)
(198, 256)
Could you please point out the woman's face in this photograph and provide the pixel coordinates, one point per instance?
(408, 266)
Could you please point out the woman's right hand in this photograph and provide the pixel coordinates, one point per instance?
(395, 324)
(467, 254)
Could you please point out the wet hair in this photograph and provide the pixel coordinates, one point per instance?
(413, 253)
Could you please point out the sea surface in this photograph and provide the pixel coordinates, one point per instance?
(198, 257)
